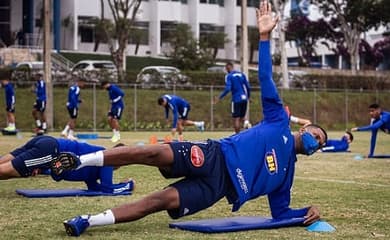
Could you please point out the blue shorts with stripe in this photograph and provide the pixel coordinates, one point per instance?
(35, 154)
(206, 179)
(116, 112)
(40, 105)
(73, 112)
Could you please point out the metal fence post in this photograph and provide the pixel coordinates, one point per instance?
(346, 109)
(94, 106)
(135, 107)
(315, 105)
(212, 108)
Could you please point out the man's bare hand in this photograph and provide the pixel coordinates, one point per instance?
(265, 21)
(312, 215)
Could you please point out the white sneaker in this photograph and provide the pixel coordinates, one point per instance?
(201, 126)
(247, 124)
(10, 129)
(71, 137)
(115, 138)
(64, 134)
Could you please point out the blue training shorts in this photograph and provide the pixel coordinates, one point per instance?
(35, 154)
(115, 112)
(239, 109)
(73, 112)
(206, 177)
(40, 105)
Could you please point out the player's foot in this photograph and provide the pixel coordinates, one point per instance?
(10, 129)
(115, 138)
(76, 226)
(39, 131)
(201, 126)
(64, 161)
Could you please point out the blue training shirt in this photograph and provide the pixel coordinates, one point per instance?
(261, 160)
(73, 97)
(178, 105)
(237, 83)
(9, 95)
(333, 145)
(40, 90)
(382, 123)
(116, 95)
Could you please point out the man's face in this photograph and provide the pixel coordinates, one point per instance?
(228, 68)
(318, 134)
(374, 112)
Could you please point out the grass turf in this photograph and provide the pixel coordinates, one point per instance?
(353, 196)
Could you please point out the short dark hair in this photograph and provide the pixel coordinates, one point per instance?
(5, 75)
(103, 83)
(229, 64)
(374, 106)
(350, 135)
(160, 100)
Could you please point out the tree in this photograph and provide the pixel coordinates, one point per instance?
(136, 35)
(214, 41)
(352, 18)
(186, 51)
(117, 32)
(306, 34)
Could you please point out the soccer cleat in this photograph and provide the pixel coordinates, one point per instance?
(64, 134)
(64, 161)
(115, 138)
(76, 226)
(10, 129)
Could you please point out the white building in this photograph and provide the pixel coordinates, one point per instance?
(73, 26)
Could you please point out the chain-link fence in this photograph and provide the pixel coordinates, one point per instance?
(333, 109)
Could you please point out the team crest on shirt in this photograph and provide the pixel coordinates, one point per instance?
(271, 162)
(197, 156)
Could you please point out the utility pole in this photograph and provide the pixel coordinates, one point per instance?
(47, 62)
(244, 45)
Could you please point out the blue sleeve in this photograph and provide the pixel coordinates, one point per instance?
(279, 203)
(228, 86)
(375, 126)
(272, 105)
(175, 116)
(374, 133)
(166, 112)
(335, 146)
(248, 88)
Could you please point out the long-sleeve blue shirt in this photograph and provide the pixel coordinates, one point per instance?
(261, 160)
(9, 95)
(40, 90)
(334, 145)
(73, 97)
(236, 83)
(382, 123)
(116, 95)
(96, 178)
(178, 105)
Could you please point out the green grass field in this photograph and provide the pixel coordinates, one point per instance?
(353, 196)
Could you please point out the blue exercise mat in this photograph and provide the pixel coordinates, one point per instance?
(381, 156)
(234, 224)
(71, 192)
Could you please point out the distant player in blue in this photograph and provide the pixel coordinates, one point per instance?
(256, 162)
(9, 102)
(73, 108)
(36, 157)
(237, 83)
(338, 145)
(39, 107)
(180, 109)
(114, 115)
(380, 120)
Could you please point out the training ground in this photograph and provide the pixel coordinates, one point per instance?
(353, 195)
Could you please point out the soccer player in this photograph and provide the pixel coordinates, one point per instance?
(114, 115)
(39, 107)
(73, 108)
(335, 145)
(380, 120)
(256, 162)
(180, 109)
(10, 103)
(37, 154)
(237, 83)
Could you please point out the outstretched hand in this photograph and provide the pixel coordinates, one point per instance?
(312, 215)
(265, 21)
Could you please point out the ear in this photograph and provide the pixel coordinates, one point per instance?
(302, 130)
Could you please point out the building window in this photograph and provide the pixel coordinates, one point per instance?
(87, 28)
(208, 31)
(250, 3)
(219, 2)
(139, 33)
(167, 28)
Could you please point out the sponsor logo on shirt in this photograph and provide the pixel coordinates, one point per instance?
(197, 156)
(241, 180)
(271, 162)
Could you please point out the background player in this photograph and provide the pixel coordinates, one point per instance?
(39, 107)
(338, 145)
(9, 102)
